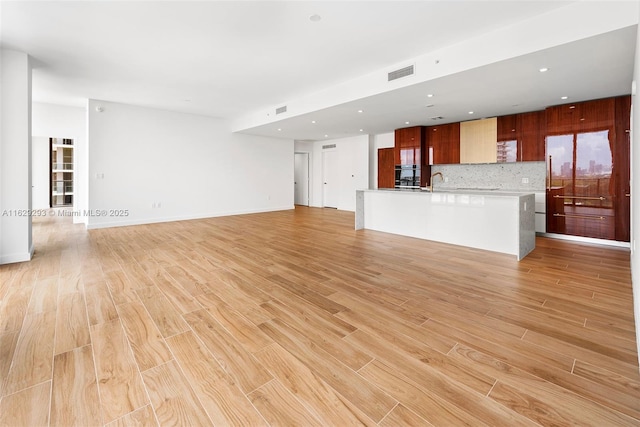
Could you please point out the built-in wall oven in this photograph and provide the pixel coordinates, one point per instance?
(407, 176)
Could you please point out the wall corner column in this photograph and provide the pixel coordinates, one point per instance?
(16, 242)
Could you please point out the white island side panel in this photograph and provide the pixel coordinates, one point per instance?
(478, 221)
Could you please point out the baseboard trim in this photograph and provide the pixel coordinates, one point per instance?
(14, 258)
(590, 240)
(182, 218)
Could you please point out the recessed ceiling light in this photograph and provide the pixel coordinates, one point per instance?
(429, 95)
(315, 18)
(564, 97)
(359, 111)
(361, 130)
(406, 123)
(313, 121)
(543, 69)
(470, 112)
(326, 136)
(279, 129)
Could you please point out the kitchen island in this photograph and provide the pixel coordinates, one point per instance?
(497, 221)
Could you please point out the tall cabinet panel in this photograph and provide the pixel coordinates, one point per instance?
(621, 170)
(444, 144)
(408, 144)
(531, 131)
(507, 145)
(588, 162)
(386, 167)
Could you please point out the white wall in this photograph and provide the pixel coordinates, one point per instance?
(635, 195)
(59, 121)
(15, 157)
(383, 140)
(353, 168)
(192, 166)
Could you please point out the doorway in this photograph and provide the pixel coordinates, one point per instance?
(301, 179)
(61, 172)
(330, 187)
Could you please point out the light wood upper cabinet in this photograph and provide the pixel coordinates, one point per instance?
(478, 141)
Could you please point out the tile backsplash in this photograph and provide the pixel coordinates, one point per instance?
(495, 176)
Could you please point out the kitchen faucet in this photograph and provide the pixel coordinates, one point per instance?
(434, 175)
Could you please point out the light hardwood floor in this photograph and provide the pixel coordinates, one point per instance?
(294, 318)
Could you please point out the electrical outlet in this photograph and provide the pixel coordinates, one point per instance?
(446, 179)
(525, 180)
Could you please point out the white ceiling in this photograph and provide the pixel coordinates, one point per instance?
(223, 59)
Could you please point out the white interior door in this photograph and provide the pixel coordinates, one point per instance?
(301, 179)
(330, 189)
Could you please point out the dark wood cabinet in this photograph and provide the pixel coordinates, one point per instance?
(588, 116)
(409, 137)
(622, 167)
(444, 143)
(408, 145)
(560, 119)
(386, 168)
(595, 115)
(409, 151)
(531, 133)
(521, 137)
(508, 145)
(507, 127)
(588, 159)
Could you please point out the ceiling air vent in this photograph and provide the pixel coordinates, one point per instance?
(281, 110)
(324, 147)
(437, 118)
(402, 72)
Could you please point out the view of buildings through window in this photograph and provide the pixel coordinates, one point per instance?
(581, 164)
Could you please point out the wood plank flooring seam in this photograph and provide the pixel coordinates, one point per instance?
(382, 420)
(221, 366)
(26, 388)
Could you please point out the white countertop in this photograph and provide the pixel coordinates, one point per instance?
(458, 191)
